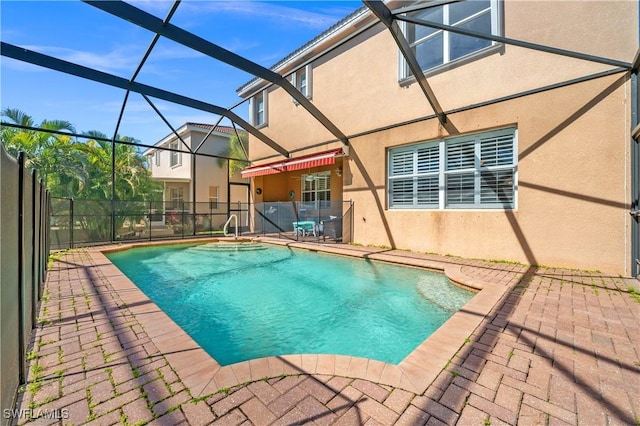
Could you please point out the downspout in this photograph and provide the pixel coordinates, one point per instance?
(193, 191)
(635, 178)
(113, 190)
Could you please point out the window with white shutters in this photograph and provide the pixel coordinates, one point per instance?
(471, 171)
(316, 189)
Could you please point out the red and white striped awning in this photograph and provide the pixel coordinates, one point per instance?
(314, 160)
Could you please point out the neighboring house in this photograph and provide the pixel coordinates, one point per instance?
(176, 171)
(531, 164)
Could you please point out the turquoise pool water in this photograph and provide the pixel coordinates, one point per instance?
(245, 301)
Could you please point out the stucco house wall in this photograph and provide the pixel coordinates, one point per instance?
(209, 171)
(573, 142)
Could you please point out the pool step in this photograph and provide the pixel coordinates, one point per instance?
(440, 294)
(229, 247)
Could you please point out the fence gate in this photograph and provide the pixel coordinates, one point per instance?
(239, 204)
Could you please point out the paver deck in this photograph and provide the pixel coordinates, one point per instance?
(535, 346)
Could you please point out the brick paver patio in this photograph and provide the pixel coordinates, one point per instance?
(557, 347)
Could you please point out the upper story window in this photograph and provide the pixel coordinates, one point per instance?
(176, 156)
(471, 171)
(258, 109)
(301, 79)
(433, 47)
(156, 156)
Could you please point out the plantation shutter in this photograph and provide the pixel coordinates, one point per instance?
(401, 192)
(461, 155)
(401, 163)
(427, 184)
(460, 187)
(496, 151)
(470, 171)
(496, 185)
(401, 188)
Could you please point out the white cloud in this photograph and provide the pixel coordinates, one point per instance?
(132, 107)
(270, 11)
(119, 59)
(155, 7)
(21, 66)
(176, 51)
(236, 45)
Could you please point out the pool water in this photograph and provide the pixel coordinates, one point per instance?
(248, 300)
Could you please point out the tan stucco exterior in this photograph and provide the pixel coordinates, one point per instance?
(209, 171)
(573, 142)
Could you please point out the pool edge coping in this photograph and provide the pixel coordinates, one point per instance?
(202, 374)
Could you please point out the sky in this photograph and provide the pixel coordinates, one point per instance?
(262, 31)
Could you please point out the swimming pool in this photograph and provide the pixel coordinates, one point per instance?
(249, 300)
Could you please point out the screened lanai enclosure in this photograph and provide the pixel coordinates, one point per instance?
(278, 184)
(112, 217)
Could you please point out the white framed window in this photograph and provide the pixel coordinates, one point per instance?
(258, 109)
(434, 48)
(176, 197)
(156, 157)
(302, 79)
(316, 189)
(464, 172)
(175, 156)
(213, 197)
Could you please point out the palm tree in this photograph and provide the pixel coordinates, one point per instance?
(32, 142)
(238, 148)
(74, 169)
(51, 154)
(133, 183)
(133, 178)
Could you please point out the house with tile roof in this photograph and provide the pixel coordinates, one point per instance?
(196, 187)
(483, 129)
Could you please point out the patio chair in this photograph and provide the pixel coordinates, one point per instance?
(304, 228)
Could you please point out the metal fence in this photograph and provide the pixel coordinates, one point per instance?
(321, 221)
(77, 223)
(32, 222)
(24, 209)
(86, 222)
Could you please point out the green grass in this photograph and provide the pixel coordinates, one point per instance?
(505, 262)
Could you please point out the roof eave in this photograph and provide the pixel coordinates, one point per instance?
(290, 63)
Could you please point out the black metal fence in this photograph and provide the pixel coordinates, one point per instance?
(32, 223)
(87, 222)
(24, 251)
